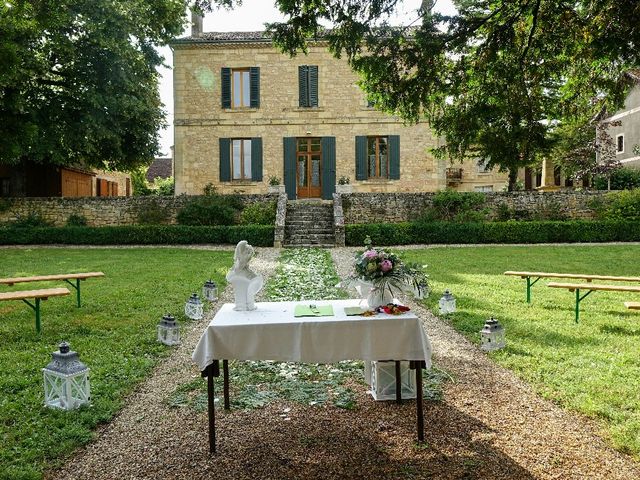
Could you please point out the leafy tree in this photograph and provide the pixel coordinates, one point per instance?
(493, 79)
(78, 81)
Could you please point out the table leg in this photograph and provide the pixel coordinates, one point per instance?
(398, 383)
(211, 371)
(225, 378)
(419, 365)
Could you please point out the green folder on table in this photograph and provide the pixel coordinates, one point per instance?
(313, 311)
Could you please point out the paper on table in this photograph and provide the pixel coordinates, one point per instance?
(317, 311)
(353, 311)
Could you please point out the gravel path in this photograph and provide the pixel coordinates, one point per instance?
(489, 426)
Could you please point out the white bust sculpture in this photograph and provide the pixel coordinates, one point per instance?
(246, 283)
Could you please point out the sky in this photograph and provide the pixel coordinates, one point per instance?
(252, 15)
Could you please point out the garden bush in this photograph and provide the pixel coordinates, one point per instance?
(456, 206)
(257, 235)
(259, 214)
(496, 232)
(211, 209)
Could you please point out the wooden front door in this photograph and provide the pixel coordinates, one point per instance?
(308, 168)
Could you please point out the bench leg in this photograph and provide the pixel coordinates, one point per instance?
(77, 287)
(36, 308)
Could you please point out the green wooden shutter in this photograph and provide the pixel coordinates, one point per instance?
(254, 75)
(303, 82)
(225, 160)
(328, 146)
(256, 159)
(290, 166)
(361, 158)
(394, 157)
(226, 87)
(313, 86)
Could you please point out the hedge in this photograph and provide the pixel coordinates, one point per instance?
(494, 232)
(257, 235)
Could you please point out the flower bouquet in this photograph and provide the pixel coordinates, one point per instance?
(379, 276)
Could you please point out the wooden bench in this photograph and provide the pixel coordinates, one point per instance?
(632, 305)
(67, 277)
(37, 295)
(576, 287)
(576, 276)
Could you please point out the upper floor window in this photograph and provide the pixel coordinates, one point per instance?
(240, 87)
(483, 166)
(378, 157)
(308, 85)
(620, 143)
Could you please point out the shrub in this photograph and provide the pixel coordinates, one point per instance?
(457, 206)
(30, 220)
(152, 213)
(76, 220)
(494, 232)
(210, 210)
(259, 214)
(257, 235)
(621, 179)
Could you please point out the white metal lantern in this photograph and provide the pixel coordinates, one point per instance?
(193, 308)
(447, 303)
(66, 380)
(210, 291)
(492, 335)
(169, 330)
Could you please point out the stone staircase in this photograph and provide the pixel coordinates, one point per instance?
(309, 224)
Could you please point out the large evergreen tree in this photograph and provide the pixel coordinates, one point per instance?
(492, 80)
(78, 79)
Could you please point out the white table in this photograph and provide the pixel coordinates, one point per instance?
(271, 332)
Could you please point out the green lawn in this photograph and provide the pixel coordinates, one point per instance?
(114, 332)
(592, 367)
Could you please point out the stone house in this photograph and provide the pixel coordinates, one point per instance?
(626, 136)
(245, 114)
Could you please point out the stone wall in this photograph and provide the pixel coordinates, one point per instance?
(102, 211)
(403, 207)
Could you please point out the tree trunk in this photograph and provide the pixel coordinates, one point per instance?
(513, 179)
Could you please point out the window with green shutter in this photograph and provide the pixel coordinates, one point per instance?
(240, 87)
(241, 159)
(308, 85)
(378, 157)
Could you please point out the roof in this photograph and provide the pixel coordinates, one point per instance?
(161, 167)
(226, 37)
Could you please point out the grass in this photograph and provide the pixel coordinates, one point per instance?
(114, 333)
(592, 367)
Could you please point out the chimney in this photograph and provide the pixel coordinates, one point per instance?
(196, 24)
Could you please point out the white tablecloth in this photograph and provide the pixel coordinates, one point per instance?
(273, 333)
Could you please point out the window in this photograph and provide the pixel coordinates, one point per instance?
(241, 156)
(308, 85)
(620, 143)
(483, 188)
(240, 87)
(241, 159)
(482, 166)
(378, 157)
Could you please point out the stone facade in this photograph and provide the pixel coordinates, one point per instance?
(342, 112)
(406, 207)
(102, 211)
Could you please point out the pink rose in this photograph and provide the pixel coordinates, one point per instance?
(386, 265)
